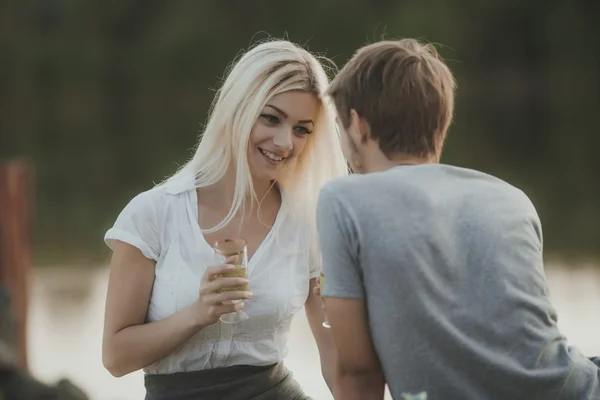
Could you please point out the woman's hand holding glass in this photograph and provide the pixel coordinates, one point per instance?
(216, 295)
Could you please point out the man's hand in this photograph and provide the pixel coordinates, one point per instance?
(317, 292)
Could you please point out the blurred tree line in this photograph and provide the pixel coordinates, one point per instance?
(108, 97)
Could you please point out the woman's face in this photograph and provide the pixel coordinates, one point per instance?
(280, 133)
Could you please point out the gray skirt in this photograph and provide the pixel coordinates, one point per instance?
(273, 382)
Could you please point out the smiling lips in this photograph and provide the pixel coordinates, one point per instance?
(271, 156)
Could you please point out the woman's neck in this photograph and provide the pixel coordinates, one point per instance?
(224, 189)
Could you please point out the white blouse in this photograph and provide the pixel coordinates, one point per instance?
(163, 223)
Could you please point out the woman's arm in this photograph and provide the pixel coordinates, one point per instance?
(128, 343)
(316, 316)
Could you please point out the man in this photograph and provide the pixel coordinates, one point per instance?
(434, 274)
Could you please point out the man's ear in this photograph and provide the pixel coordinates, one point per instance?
(359, 127)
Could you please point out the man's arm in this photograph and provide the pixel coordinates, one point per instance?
(358, 373)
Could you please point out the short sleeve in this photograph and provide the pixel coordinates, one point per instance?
(339, 245)
(138, 225)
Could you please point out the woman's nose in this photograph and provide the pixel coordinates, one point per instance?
(283, 140)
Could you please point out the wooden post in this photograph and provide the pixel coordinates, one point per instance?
(16, 200)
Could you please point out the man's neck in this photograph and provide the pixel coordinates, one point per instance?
(382, 163)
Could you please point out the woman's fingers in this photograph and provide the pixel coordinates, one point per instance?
(213, 273)
(218, 298)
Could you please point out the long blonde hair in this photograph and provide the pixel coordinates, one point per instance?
(267, 69)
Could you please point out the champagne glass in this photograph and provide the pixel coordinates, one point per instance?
(322, 285)
(236, 249)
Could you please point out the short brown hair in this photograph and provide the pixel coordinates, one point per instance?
(405, 92)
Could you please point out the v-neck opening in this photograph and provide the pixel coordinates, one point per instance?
(259, 250)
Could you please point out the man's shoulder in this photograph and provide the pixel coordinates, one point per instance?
(420, 181)
(346, 192)
(464, 181)
(358, 190)
(345, 184)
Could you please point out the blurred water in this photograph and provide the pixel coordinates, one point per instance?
(67, 308)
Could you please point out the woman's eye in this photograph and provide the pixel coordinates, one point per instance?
(271, 119)
(302, 130)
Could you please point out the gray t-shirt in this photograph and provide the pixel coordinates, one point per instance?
(449, 262)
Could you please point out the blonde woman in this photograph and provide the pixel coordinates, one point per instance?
(268, 147)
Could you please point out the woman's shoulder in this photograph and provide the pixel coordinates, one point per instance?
(149, 200)
(173, 187)
(153, 203)
(140, 223)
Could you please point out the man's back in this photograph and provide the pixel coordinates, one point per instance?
(450, 265)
